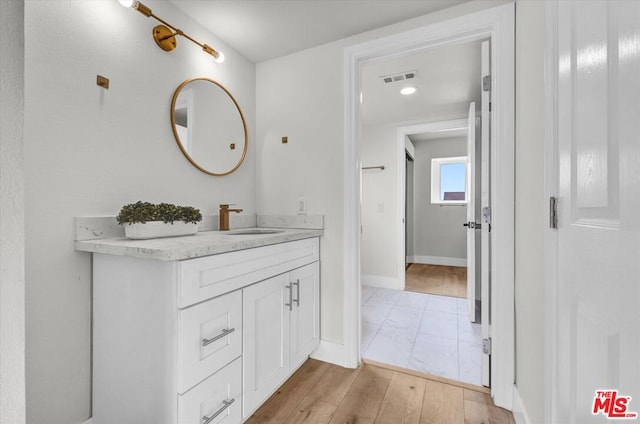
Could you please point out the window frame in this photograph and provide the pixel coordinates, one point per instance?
(436, 164)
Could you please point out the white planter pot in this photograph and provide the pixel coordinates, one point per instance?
(158, 229)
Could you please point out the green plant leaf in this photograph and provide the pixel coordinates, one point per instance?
(144, 211)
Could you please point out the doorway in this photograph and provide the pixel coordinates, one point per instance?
(498, 24)
(425, 327)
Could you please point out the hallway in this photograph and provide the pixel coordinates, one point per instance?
(421, 332)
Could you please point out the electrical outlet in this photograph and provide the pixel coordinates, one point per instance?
(302, 206)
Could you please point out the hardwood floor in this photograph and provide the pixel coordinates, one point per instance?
(322, 393)
(437, 279)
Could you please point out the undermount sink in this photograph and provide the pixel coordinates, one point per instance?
(253, 232)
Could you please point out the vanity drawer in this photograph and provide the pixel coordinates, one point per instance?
(209, 337)
(219, 394)
(210, 276)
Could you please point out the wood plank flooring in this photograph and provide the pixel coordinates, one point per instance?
(322, 393)
(437, 279)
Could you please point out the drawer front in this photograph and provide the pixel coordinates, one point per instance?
(210, 336)
(216, 400)
(210, 276)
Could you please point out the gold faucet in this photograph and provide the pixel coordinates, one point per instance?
(224, 216)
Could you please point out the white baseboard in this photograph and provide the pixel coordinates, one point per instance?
(89, 421)
(330, 352)
(380, 282)
(437, 260)
(519, 411)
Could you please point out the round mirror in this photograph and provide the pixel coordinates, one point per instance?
(209, 126)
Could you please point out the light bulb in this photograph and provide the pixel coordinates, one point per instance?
(407, 91)
(128, 3)
(219, 56)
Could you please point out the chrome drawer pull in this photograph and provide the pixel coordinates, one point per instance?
(226, 403)
(297, 284)
(225, 332)
(290, 304)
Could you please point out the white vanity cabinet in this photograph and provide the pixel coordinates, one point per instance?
(173, 339)
(281, 317)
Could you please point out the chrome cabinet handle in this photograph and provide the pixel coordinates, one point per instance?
(290, 304)
(225, 332)
(297, 284)
(226, 403)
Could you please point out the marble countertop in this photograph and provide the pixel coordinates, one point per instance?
(204, 243)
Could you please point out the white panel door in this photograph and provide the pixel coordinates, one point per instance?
(598, 282)
(305, 313)
(265, 346)
(471, 212)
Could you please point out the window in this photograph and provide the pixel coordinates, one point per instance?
(449, 181)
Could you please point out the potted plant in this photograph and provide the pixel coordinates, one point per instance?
(146, 220)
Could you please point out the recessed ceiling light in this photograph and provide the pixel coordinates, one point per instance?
(407, 91)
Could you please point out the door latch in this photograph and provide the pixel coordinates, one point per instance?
(472, 225)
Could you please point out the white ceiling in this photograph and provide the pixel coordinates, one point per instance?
(265, 29)
(448, 79)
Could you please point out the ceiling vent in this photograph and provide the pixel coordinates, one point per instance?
(387, 79)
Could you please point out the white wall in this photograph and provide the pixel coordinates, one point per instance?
(302, 95)
(299, 96)
(88, 151)
(438, 230)
(380, 207)
(530, 205)
(12, 326)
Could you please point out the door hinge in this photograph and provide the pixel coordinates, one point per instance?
(553, 212)
(486, 83)
(486, 346)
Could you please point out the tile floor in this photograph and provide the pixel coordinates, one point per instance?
(423, 332)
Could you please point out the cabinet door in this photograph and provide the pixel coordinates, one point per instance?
(265, 340)
(305, 316)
